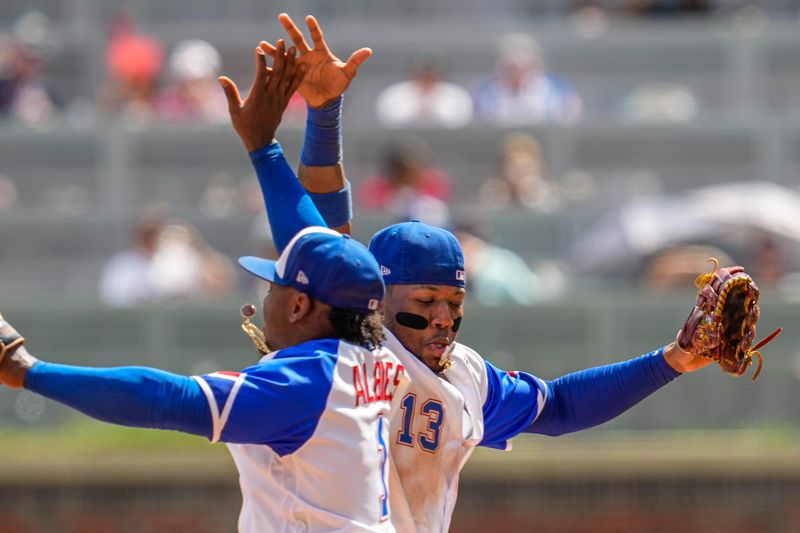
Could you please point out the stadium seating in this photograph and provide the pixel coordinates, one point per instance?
(82, 181)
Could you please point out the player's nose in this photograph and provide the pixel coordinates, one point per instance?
(441, 317)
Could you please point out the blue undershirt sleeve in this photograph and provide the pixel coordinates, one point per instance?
(591, 397)
(128, 396)
(289, 208)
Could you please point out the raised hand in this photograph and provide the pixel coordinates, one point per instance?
(256, 118)
(327, 77)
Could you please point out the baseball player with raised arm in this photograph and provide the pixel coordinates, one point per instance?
(307, 426)
(457, 400)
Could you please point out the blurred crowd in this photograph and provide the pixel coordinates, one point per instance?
(145, 82)
(167, 259)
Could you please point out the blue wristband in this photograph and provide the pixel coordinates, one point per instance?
(335, 207)
(322, 146)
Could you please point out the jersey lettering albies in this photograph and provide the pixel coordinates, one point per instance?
(308, 429)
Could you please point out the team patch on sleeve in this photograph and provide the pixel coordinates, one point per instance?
(221, 389)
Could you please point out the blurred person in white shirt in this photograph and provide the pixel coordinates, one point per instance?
(522, 91)
(424, 99)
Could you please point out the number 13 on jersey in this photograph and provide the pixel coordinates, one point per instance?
(433, 411)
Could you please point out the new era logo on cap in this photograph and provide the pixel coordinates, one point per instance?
(461, 275)
(385, 271)
(373, 304)
(302, 278)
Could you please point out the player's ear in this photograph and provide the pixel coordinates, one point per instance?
(301, 306)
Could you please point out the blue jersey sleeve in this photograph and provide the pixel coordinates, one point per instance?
(591, 397)
(277, 402)
(518, 402)
(289, 208)
(513, 402)
(129, 396)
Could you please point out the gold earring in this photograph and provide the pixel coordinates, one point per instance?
(256, 335)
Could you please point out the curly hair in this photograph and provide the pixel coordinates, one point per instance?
(364, 329)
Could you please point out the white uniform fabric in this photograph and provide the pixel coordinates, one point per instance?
(323, 465)
(438, 425)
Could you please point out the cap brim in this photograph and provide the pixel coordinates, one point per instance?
(263, 268)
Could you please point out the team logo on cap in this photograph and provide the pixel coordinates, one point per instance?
(461, 275)
(302, 278)
(385, 271)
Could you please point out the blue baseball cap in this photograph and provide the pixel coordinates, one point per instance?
(326, 265)
(413, 253)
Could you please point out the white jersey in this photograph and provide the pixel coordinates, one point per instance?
(441, 419)
(307, 428)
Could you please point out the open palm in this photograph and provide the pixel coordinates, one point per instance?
(326, 77)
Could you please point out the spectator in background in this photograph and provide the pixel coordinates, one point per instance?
(522, 91)
(409, 187)
(167, 259)
(496, 276)
(678, 266)
(424, 99)
(521, 179)
(194, 94)
(24, 94)
(133, 61)
(128, 278)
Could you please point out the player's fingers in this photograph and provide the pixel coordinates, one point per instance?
(277, 65)
(316, 33)
(261, 68)
(355, 60)
(280, 56)
(289, 68)
(231, 94)
(268, 48)
(297, 79)
(294, 33)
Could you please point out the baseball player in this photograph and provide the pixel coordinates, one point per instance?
(307, 426)
(457, 400)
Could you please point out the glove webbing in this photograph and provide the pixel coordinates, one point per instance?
(705, 279)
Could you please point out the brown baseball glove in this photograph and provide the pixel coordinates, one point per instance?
(722, 324)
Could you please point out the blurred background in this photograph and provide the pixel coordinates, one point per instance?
(589, 155)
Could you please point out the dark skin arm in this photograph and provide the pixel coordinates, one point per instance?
(326, 80)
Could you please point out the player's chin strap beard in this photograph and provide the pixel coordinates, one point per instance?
(419, 322)
(256, 335)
